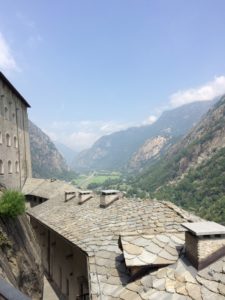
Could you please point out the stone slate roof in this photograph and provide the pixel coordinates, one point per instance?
(97, 230)
(154, 250)
(47, 188)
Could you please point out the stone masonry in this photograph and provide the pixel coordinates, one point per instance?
(15, 160)
(199, 249)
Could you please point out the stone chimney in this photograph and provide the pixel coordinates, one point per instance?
(109, 196)
(84, 196)
(204, 243)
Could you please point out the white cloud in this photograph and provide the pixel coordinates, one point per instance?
(81, 135)
(150, 120)
(205, 92)
(7, 61)
(81, 140)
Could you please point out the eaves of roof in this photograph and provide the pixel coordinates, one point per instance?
(9, 84)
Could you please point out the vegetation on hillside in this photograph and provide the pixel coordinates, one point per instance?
(12, 204)
(202, 190)
(191, 174)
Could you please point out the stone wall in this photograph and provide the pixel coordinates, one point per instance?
(65, 264)
(15, 160)
(208, 246)
(201, 249)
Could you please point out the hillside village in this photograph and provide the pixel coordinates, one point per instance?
(99, 246)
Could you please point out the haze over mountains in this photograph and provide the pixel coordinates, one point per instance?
(68, 153)
(122, 150)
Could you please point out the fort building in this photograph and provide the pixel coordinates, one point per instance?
(128, 249)
(15, 160)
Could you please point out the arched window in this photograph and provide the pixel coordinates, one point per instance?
(0, 137)
(6, 113)
(15, 142)
(1, 167)
(17, 167)
(9, 167)
(8, 140)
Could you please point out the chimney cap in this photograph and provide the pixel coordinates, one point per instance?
(85, 192)
(204, 228)
(110, 192)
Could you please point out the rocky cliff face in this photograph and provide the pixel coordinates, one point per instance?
(204, 140)
(150, 150)
(19, 257)
(47, 162)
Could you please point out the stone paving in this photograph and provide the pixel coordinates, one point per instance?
(97, 232)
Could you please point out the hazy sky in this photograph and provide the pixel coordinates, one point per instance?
(89, 68)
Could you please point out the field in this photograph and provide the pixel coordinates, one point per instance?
(95, 179)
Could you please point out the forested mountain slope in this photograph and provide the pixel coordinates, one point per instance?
(192, 172)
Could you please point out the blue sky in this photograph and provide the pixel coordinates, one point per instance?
(89, 68)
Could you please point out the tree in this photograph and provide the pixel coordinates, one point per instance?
(12, 204)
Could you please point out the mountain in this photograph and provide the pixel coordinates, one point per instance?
(191, 173)
(47, 162)
(117, 151)
(66, 152)
(151, 150)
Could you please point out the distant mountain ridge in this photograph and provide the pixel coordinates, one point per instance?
(115, 151)
(67, 153)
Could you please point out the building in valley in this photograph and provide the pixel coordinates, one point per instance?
(110, 247)
(15, 160)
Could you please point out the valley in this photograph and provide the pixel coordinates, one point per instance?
(94, 180)
(179, 158)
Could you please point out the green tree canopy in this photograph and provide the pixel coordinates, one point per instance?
(12, 204)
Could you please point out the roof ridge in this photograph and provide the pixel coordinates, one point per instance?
(181, 212)
(2, 76)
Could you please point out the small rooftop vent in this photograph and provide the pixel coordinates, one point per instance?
(204, 243)
(69, 196)
(109, 196)
(84, 196)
